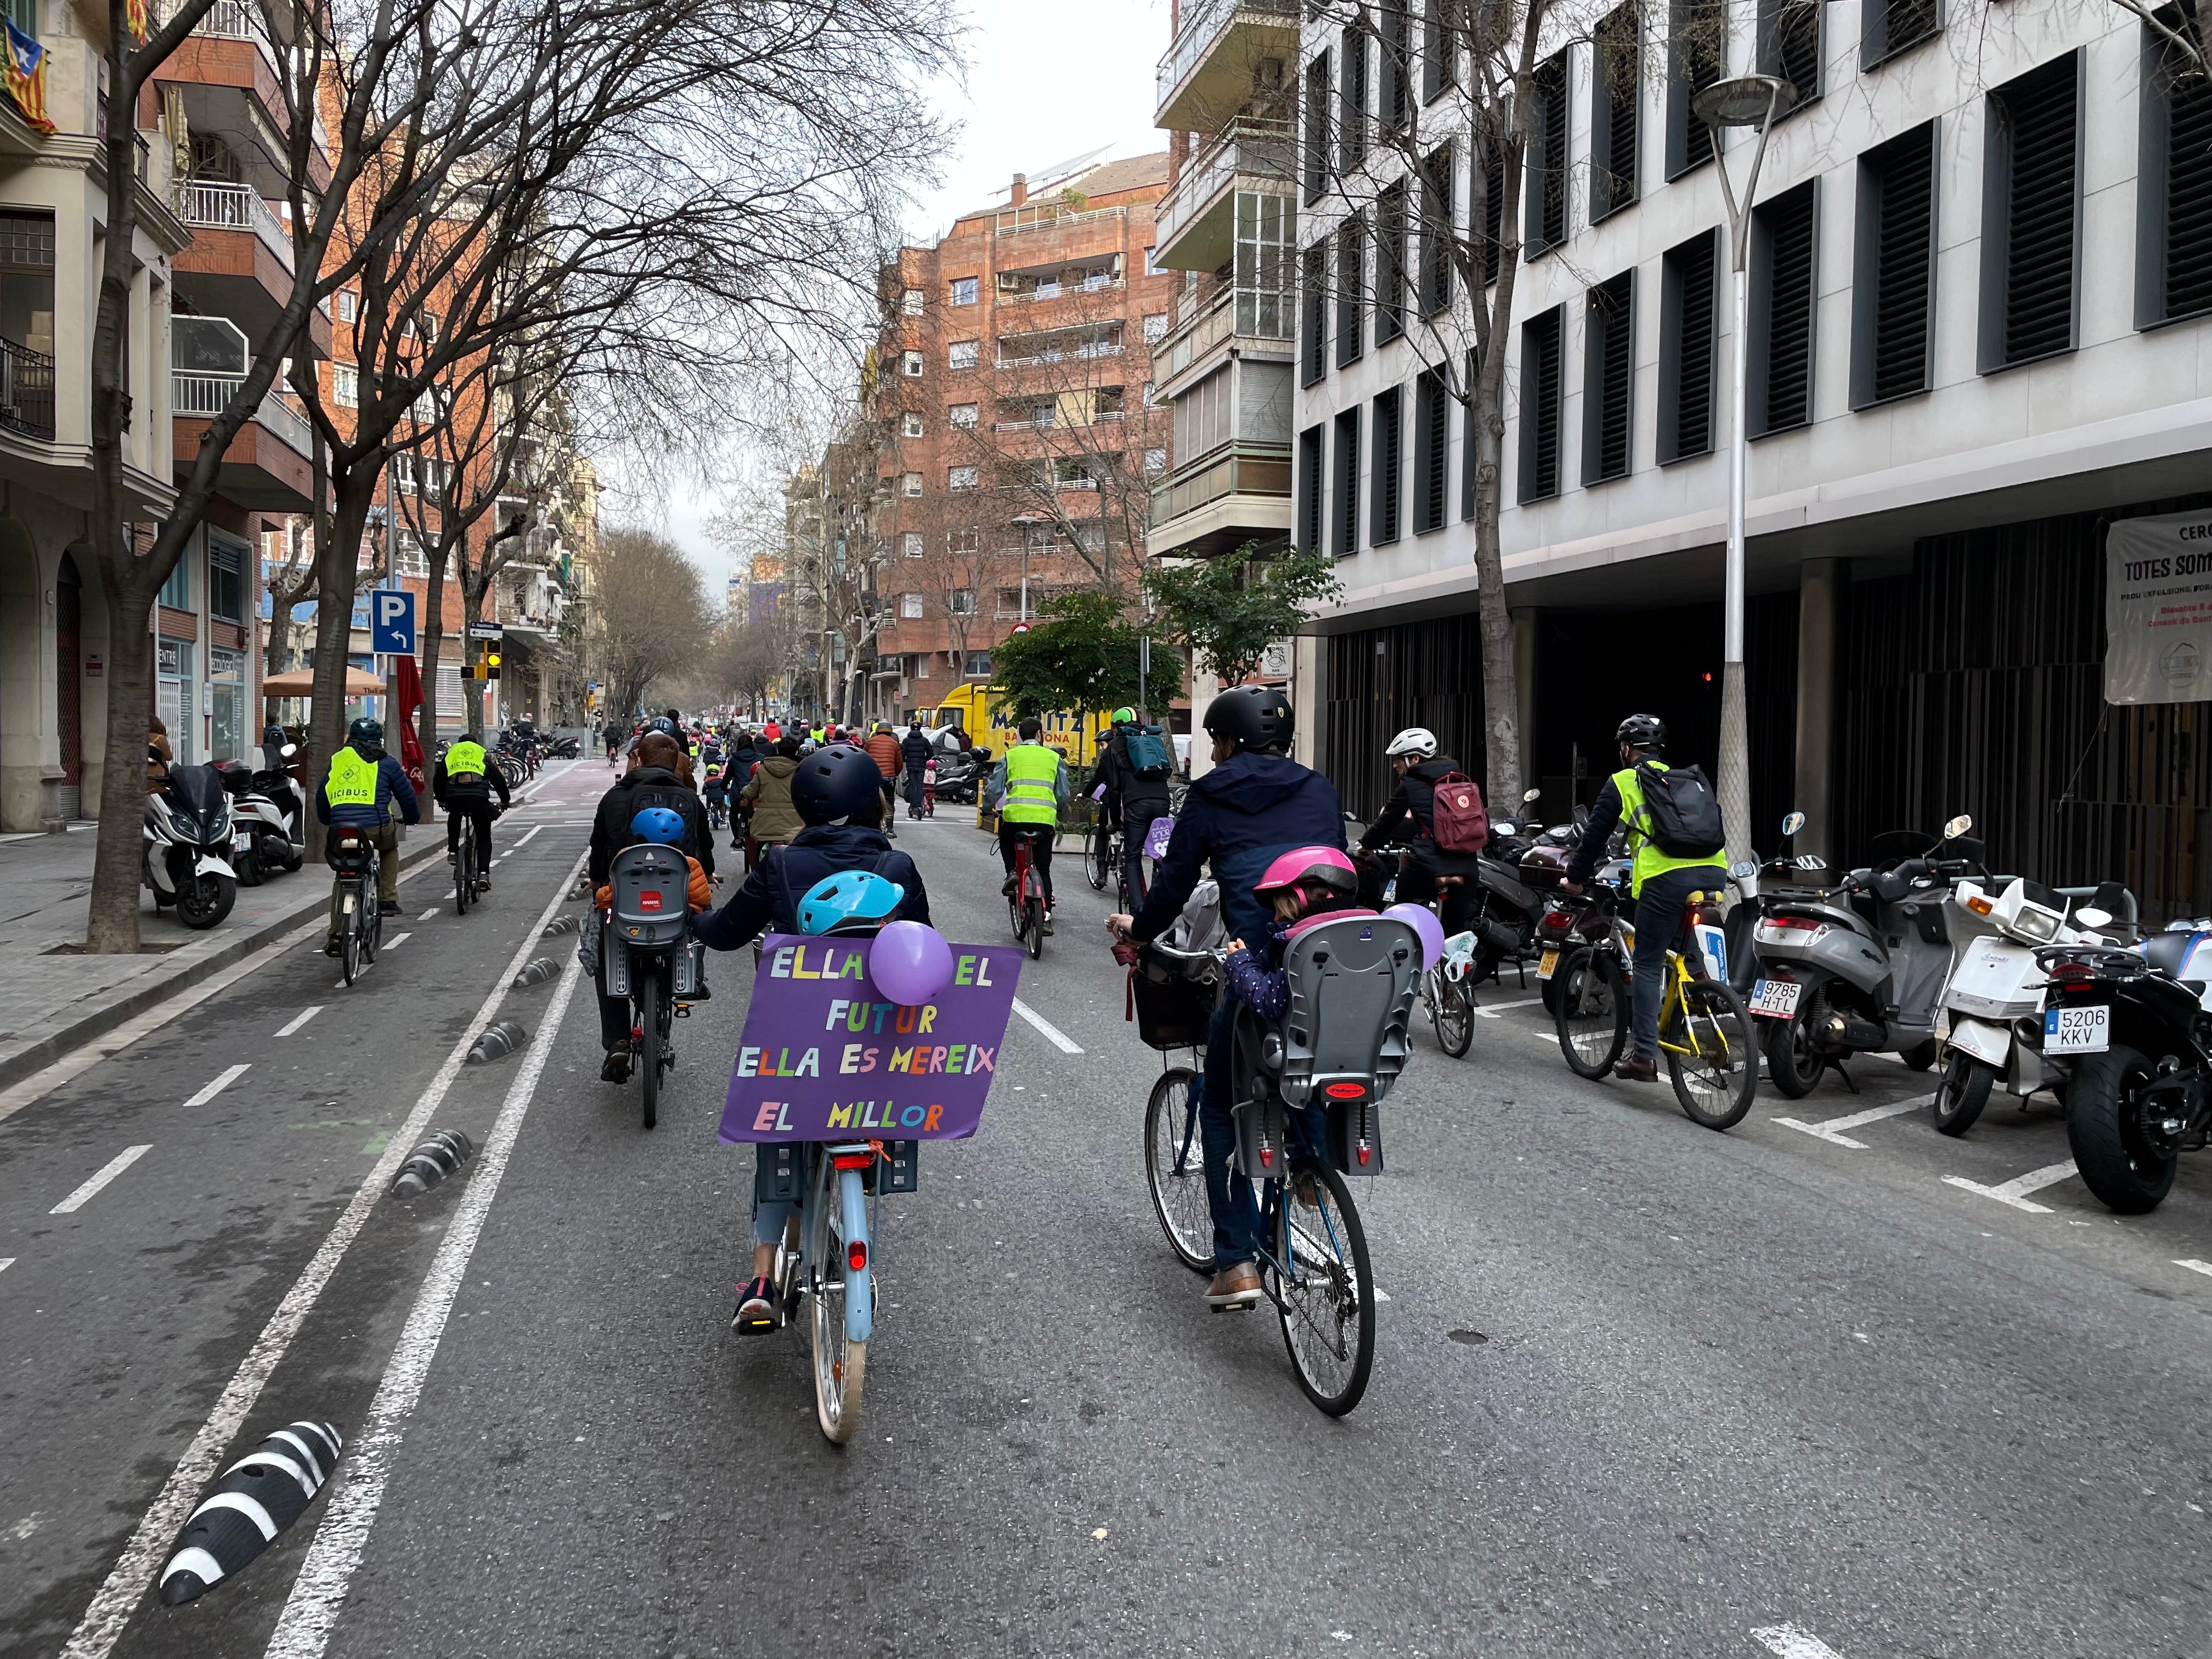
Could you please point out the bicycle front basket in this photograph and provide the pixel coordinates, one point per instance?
(1173, 1010)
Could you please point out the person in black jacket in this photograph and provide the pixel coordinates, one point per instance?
(1133, 801)
(1409, 816)
(652, 783)
(468, 794)
(916, 750)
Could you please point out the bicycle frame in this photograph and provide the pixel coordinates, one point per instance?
(840, 1166)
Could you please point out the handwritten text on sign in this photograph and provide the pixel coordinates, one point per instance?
(827, 1057)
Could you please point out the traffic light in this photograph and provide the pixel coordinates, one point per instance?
(491, 665)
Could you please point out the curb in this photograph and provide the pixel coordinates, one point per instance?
(35, 1056)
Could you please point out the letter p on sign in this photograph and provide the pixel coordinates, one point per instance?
(392, 622)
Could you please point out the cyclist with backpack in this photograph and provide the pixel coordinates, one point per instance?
(1439, 809)
(1134, 765)
(1676, 846)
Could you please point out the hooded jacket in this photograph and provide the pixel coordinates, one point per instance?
(635, 790)
(769, 900)
(774, 818)
(1415, 797)
(1238, 817)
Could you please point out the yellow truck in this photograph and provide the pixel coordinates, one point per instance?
(989, 721)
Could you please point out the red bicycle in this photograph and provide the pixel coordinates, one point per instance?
(1025, 894)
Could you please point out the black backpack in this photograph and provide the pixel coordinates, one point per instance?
(1681, 814)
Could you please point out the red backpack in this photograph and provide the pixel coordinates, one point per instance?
(1456, 818)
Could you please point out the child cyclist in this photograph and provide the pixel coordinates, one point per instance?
(837, 792)
(1304, 883)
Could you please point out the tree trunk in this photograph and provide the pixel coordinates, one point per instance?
(118, 853)
(334, 574)
(433, 647)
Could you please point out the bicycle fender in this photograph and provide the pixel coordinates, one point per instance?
(859, 1294)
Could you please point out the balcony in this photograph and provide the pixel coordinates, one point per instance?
(27, 391)
(1212, 68)
(266, 468)
(1258, 321)
(240, 262)
(1221, 501)
(225, 71)
(1196, 219)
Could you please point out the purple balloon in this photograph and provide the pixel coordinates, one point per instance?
(910, 962)
(1423, 920)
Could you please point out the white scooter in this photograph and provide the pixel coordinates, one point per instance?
(187, 832)
(269, 814)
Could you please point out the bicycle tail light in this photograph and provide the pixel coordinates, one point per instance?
(856, 1255)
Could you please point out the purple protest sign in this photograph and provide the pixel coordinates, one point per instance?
(827, 1057)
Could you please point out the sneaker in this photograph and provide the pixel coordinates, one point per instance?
(449, 856)
(1638, 1068)
(330, 946)
(483, 884)
(1237, 1286)
(1006, 888)
(1047, 924)
(617, 1069)
(755, 1314)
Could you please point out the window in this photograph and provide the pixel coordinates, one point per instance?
(1351, 280)
(910, 425)
(962, 355)
(911, 607)
(1265, 228)
(1156, 462)
(1431, 451)
(1439, 48)
(979, 666)
(1316, 132)
(959, 542)
(910, 544)
(960, 477)
(910, 303)
(1493, 212)
(1614, 82)
(1390, 263)
(910, 483)
(1397, 39)
(1688, 290)
(1344, 486)
(1388, 468)
(910, 362)
(177, 591)
(2173, 211)
(1541, 350)
(1893, 281)
(1783, 252)
(2031, 213)
(961, 416)
(1609, 378)
(1436, 231)
(964, 290)
(1313, 319)
(1789, 45)
(1351, 101)
(1308, 503)
(962, 602)
(921, 669)
(226, 579)
(1152, 266)
(407, 556)
(345, 386)
(1544, 225)
(1888, 27)
(1156, 328)
(1697, 54)
(349, 304)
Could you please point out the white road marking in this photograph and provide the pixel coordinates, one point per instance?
(1496, 1008)
(2014, 1192)
(227, 1079)
(303, 1629)
(1827, 1128)
(114, 1167)
(1053, 1035)
(298, 1020)
(428, 915)
(6, 1263)
(397, 941)
(2192, 1264)
(1787, 1642)
(517, 847)
(97, 1633)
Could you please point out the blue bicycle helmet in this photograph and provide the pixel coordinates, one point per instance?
(661, 824)
(850, 902)
(661, 724)
(835, 781)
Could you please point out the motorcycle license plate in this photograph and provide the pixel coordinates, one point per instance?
(2077, 1031)
(1777, 999)
(242, 841)
(1551, 961)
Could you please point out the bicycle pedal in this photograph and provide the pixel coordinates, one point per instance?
(683, 1011)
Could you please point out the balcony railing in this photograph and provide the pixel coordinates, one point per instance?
(1250, 145)
(1060, 353)
(1250, 314)
(27, 391)
(1049, 215)
(1260, 469)
(217, 206)
(1201, 26)
(1057, 290)
(204, 397)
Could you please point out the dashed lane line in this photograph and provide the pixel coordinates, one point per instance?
(2015, 1191)
(6, 1263)
(1053, 1035)
(428, 915)
(298, 1020)
(1787, 1642)
(2196, 1266)
(1828, 1128)
(107, 1172)
(517, 846)
(220, 1082)
(397, 941)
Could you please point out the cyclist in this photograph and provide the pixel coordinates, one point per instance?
(1027, 789)
(915, 751)
(773, 818)
(1255, 805)
(364, 788)
(1660, 883)
(462, 785)
(1411, 808)
(651, 782)
(1136, 789)
(839, 794)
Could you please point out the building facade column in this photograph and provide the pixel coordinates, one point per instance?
(1524, 698)
(1819, 583)
(1306, 694)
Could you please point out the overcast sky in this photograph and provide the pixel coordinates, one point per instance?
(1047, 81)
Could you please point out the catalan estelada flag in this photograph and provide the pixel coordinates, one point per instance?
(27, 77)
(134, 15)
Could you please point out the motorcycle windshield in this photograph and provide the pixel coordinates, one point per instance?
(197, 790)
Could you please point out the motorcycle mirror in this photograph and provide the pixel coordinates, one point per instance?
(2091, 916)
(1531, 794)
(1793, 822)
(1957, 827)
(289, 751)
(1745, 870)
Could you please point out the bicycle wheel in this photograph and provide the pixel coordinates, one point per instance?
(1452, 1010)
(1711, 1057)
(370, 917)
(1325, 1290)
(1175, 1169)
(1591, 1015)
(649, 1026)
(1033, 925)
(1097, 856)
(840, 1365)
(350, 943)
(465, 866)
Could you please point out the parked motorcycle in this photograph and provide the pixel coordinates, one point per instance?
(958, 777)
(268, 819)
(1518, 875)
(187, 839)
(1860, 969)
(566, 748)
(1756, 887)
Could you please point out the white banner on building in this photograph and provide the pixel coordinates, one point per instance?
(2158, 609)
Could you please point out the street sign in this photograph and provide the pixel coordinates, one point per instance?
(392, 622)
(484, 630)
(1020, 628)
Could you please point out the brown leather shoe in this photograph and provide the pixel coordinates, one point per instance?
(1638, 1068)
(1235, 1286)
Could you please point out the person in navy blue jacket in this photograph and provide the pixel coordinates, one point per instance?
(1254, 804)
(393, 801)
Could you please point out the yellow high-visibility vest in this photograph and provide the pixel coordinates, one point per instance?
(352, 780)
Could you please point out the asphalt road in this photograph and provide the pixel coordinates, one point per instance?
(1640, 1389)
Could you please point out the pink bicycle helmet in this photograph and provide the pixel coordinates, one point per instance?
(1323, 864)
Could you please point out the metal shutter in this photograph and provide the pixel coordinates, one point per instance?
(2038, 275)
(1612, 318)
(2189, 199)
(1789, 308)
(1904, 264)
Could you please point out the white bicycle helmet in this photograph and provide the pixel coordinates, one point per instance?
(1415, 742)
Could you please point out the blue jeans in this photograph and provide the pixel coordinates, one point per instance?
(1228, 1194)
(1658, 925)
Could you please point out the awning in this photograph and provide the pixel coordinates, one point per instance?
(301, 683)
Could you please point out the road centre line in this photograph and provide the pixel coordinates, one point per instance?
(107, 1172)
(2196, 1266)
(1787, 1642)
(1827, 1128)
(396, 941)
(428, 913)
(516, 846)
(2014, 1192)
(303, 1629)
(1053, 1035)
(111, 1607)
(298, 1020)
(219, 1083)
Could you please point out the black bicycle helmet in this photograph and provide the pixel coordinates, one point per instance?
(367, 736)
(835, 781)
(1643, 731)
(1256, 717)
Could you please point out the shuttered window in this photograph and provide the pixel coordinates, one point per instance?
(1439, 47)
(2173, 204)
(1390, 263)
(1893, 279)
(1310, 489)
(1431, 451)
(1545, 226)
(1888, 27)
(1540, 346)
(1351, 101)
(1312, 314)
(1344, 487)
(1697, 50)
(1397, 39)
(1351, 288)
(1316, 127)
(1436, 231)
(1388, 467)
(1686, 338)
(1614, 81)
(1782, 259)
(2031, 205)
(1609, 378)
(1789, 45)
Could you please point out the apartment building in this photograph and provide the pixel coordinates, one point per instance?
(1979, 332)
(1013, 396)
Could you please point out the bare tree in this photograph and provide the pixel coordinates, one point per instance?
(653, 615)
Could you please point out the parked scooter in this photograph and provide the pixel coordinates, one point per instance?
(1860, 970)
(268, 815)
(1517, 874)
(187, 838)
(958, 776)
(1757, 886)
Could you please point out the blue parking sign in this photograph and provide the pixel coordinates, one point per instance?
(392, 622)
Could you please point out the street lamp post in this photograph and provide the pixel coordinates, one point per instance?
(1756, 101)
